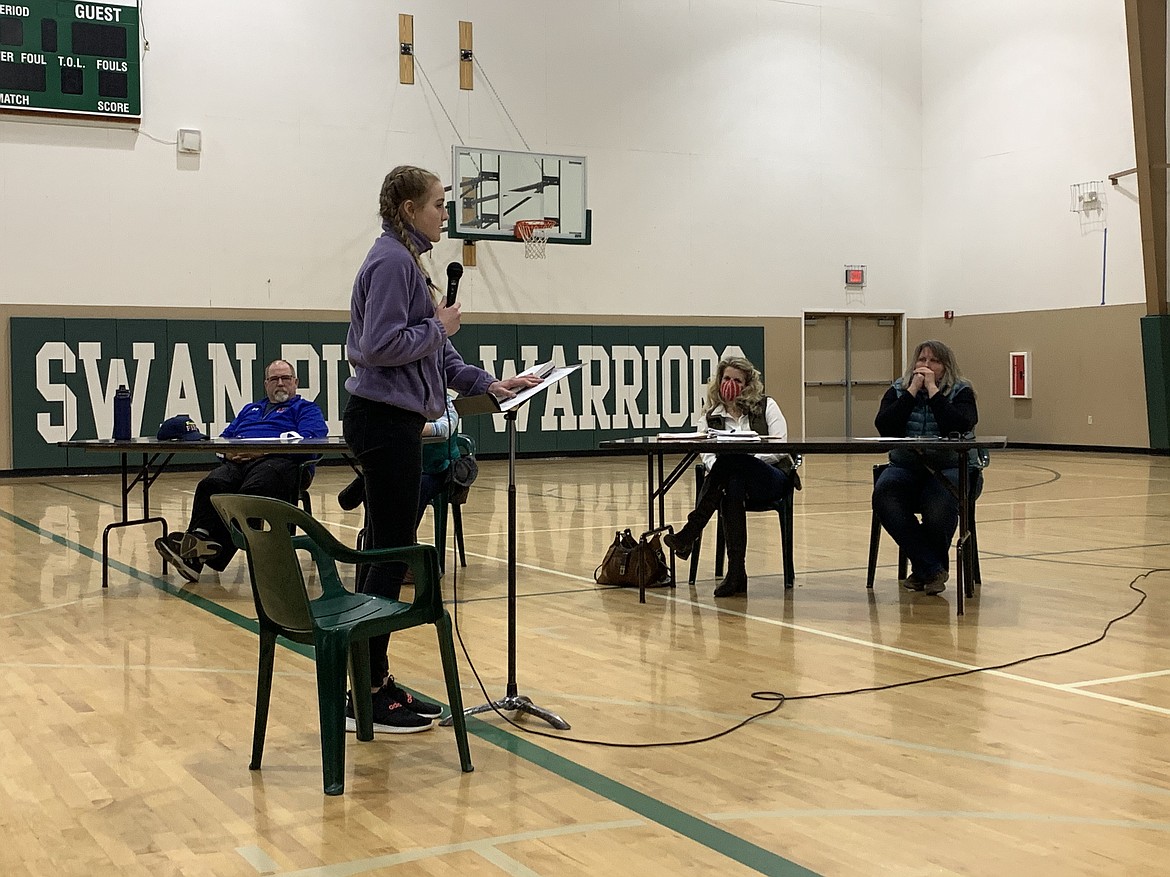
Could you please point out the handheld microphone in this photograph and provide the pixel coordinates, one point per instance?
(454, 272)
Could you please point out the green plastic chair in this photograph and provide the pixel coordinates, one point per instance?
(338, 624)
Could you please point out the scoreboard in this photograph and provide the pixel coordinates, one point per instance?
(70, 59)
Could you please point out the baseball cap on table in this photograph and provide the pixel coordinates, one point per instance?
(180, 427)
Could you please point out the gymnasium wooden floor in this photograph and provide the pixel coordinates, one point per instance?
(125, 720)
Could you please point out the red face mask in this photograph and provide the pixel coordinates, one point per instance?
(730, 390)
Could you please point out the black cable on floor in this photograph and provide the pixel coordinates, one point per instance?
(780, 698)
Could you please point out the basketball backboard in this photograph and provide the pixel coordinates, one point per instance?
(493, 188)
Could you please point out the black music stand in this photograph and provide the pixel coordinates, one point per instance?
(512, 701)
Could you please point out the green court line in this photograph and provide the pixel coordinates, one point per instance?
(692, 827)
(724, 842)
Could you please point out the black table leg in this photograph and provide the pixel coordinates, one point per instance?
(144, 477)
(964, 585)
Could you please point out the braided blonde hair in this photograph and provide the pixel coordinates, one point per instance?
(405, 183)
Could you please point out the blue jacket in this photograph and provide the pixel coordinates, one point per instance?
(264, 419)
(397, 346)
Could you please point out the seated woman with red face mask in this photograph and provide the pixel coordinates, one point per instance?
(736, 401)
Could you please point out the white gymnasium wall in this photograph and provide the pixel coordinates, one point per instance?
(741, 152)
(1020, 101)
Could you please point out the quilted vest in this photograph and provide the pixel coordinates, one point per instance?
(759, 424)
(922, 424)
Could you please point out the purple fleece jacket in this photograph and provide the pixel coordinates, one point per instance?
(397, 347)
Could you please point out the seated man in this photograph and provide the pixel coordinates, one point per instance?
(206, 540)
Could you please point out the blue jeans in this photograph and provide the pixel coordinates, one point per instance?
(902, 491)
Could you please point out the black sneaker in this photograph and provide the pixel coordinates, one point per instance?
(169, 547)
(196, 546)
(390, 717)
(424, 708)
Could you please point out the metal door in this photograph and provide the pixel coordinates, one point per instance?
(849, 361)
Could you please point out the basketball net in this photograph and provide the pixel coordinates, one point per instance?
(534, 233)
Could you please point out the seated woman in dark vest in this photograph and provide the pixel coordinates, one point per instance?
(736, 400)
(929, 401)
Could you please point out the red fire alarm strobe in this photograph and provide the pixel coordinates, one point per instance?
(855, 275)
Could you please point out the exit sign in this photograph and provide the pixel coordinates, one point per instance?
(70, 59)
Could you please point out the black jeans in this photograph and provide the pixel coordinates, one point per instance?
(736, 483)
(747, 480)
(275, 477)
(387, 442)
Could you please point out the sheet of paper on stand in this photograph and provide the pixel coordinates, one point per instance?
(489, 404)
(550, 373)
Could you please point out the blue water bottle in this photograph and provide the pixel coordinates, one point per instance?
(122, 414)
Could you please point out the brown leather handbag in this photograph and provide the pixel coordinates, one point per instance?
(634, 563)
(649, 564)
(616, 566)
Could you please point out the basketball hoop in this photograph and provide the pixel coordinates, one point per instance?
(534, 233)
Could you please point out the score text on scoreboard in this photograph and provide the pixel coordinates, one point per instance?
(70, 59)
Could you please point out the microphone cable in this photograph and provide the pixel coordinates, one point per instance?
(780, 698)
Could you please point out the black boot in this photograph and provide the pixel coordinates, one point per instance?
(682, 542)
(735, 538)
(735, 582)
(353, 494)
(706, 505)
